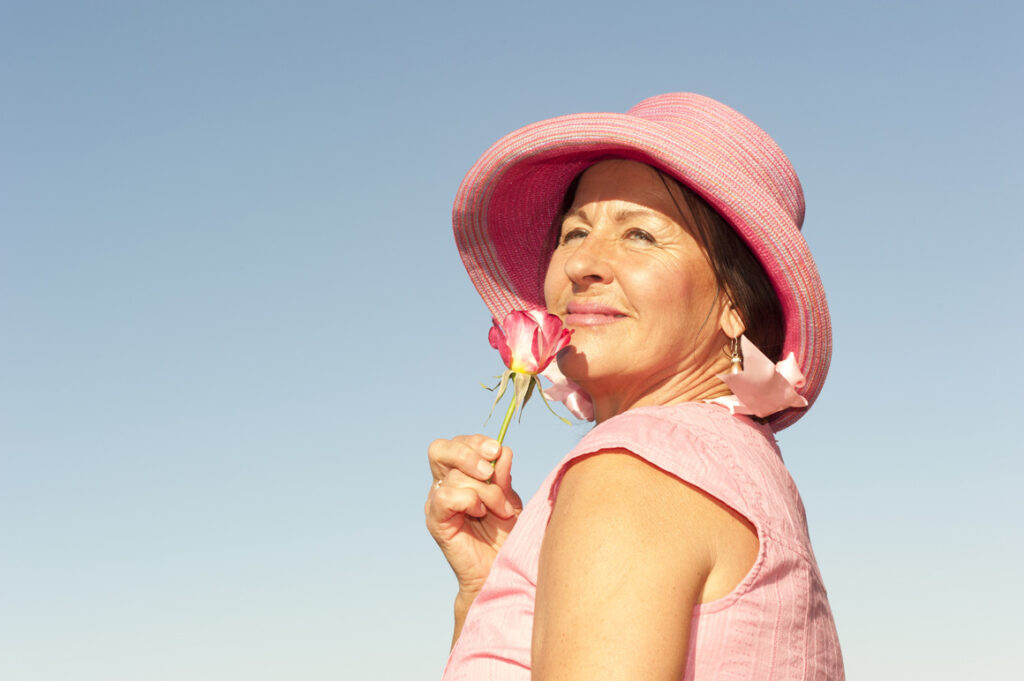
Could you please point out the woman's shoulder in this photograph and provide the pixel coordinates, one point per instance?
(730, 457)
(686, 434)
(708, 421)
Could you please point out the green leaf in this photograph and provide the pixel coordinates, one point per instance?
(548, 404)
(526, 397)
(492, 389)
(501, 391)
(522, 383)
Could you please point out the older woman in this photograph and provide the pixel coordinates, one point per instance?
(671, 542)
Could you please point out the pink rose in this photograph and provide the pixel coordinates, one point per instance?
(528, 341)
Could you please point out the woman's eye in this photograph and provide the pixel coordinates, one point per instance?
(640, 235)
(571, 234)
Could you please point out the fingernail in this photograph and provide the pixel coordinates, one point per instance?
(485, 468)
(509, 510)
(491, 448)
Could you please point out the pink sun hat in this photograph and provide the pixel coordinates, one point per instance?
(506, 206)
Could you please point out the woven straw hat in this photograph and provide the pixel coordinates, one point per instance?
(507, 203)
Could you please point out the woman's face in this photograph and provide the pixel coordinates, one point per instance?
(635, 286)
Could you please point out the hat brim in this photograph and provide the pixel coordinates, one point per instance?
(505, 209)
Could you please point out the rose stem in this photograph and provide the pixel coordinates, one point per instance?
(508, 420)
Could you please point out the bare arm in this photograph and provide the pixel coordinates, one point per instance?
(629, 551)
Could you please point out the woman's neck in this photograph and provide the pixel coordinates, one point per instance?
(690, 386)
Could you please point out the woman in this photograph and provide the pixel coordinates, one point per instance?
(671, 542)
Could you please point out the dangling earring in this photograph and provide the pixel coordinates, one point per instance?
(735, 360)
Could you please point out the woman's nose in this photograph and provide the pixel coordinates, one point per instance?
(589, 262)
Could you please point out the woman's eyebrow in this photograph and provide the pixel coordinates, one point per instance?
(620, 215)
(577, 213)
(624, 214)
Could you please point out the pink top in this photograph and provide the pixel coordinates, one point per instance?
(775, 626)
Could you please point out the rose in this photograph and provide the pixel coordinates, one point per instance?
(528, 341)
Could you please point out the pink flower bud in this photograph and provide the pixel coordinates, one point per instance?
(528, 341)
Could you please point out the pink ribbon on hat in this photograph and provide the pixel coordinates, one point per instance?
(762, 388)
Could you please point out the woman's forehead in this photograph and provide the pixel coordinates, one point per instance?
(628, 188)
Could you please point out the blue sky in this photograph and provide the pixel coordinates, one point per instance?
(235, 316)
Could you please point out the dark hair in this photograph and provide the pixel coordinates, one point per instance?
(736, 268)
(738, 271)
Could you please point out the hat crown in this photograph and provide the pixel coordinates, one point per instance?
(731, 138)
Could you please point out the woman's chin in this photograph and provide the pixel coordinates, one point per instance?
(573, 364)
(582, 369)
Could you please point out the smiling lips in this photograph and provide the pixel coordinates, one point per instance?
(591, 314)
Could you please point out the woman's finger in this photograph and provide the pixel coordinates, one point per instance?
(503, 478)
(493, 496)
(444, 503)
(470, 454)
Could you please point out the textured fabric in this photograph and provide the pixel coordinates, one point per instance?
(775, 626)
(505, 208)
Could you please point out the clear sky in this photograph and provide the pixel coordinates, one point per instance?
(234, 316)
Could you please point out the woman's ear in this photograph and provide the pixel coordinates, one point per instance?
(731, 321)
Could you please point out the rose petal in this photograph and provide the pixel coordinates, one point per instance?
(550, 339)
(520, 331)
(496, 337)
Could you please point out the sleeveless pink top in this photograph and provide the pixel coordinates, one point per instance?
(775, 626)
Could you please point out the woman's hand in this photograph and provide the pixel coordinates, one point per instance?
(471, 506)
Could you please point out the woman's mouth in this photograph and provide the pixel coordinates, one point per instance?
(590, 314)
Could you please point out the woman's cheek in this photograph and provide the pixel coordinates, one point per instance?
(554, 281)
